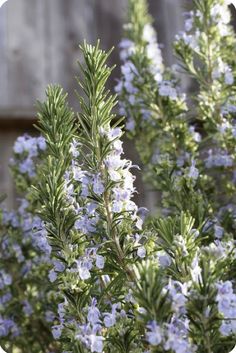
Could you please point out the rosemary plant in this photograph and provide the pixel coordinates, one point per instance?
(27, 307)
(78, 257)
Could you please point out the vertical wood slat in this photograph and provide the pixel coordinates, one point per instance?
(40, 45)
(168, 21)
(6, 186)
(24, 53)
(3, 59)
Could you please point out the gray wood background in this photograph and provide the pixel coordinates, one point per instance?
(39, 45)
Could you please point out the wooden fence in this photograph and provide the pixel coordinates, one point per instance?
(39, 45)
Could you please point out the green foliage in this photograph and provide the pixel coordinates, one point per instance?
(57, 125)
(113, 284)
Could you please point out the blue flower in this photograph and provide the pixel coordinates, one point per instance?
(96, 343)
(5, 279)
(27, 308)
(93, 313)
(100, 261)
(154, 334)
(226, 300)
(52, 275)
(98, 186)
(57, 331)
(41, 143)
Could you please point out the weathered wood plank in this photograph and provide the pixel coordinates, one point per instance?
(39, 45)
(168, 22)
(7, 139)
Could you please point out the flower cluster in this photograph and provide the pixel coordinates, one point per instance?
(28, 151)
(174, 336)
(142, 67)
(188, 150)
(26, 148)
(166, 139)
(226, 300)
(25, 292)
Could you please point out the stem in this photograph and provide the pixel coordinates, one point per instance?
(114, 236)
(207, 341)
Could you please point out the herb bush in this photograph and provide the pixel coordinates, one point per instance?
(83, 268)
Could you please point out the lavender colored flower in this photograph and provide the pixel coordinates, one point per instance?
(177, 337)
(154, 334)
(18, 252)
(220, 159)
(85, 224)
(110, 318)
(40, 241)
(178, 294)
(141, 252)
(90, 338)
(52, 275)
(27, 167)
(74, 148)
(96, 343)
(27, 308)
(127, 48)
(98, 186)
(193, 171)
(5, 279)
(11, 219)
(8, 327)
(100, 261)
(167, 90)
(62, 310)
(93, 313)
(164, 259)
(226, 300)
(5, 298)
(41, 143)
(57, 331)
(218, 231)
(84, 266)
(58, 266)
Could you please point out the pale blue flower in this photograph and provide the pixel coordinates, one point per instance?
(100, 261)
(52, 276)
(93, 313)
(57, 331)
(27, 167)
(98, 186)
(110, 318)
(154, 334)
(27, 308)
(96, 343)
(5, 279)
(226, 300)
(177, 336)
(41, 143)
(84, 267)
(193, 171)
(166, 89)
(58, 266)
(141, 252)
